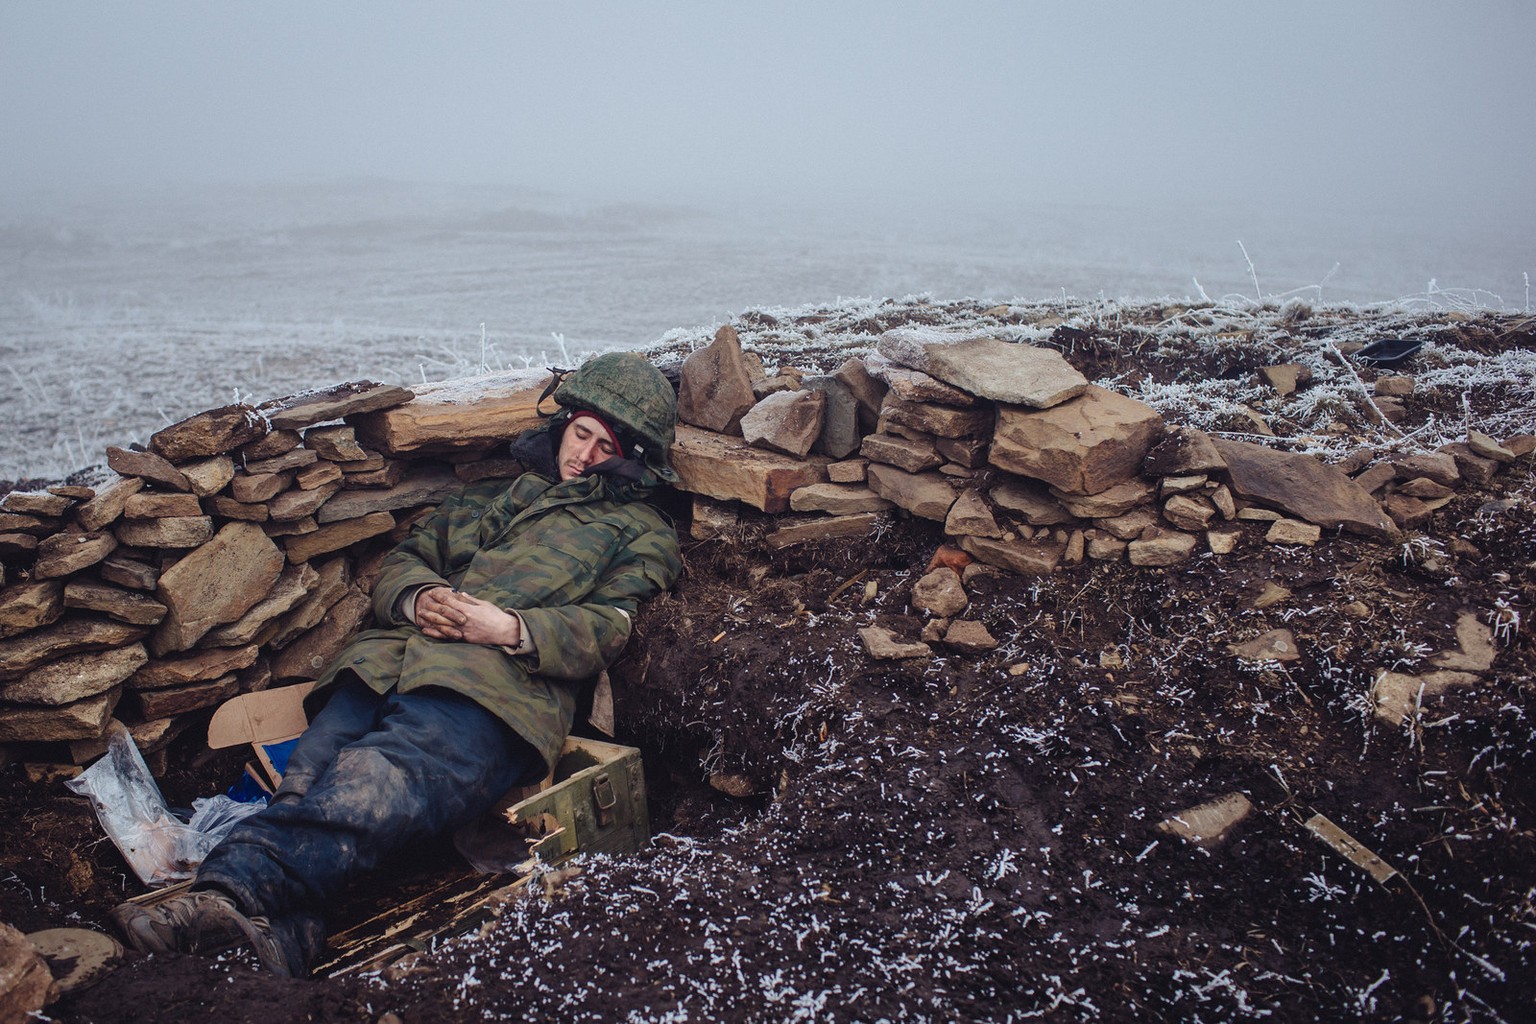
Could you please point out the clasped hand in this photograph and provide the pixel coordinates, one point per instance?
(446, 614)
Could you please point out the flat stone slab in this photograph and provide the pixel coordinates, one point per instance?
(71, 636)
(1304, 487)
(473, 413)
(1276, 645)
(217, 583)
(84, 719)
(837, 499)
(209, 433)
(987, 367)
(424, 485)
(883, 645)
(359, 396)
(816, 528)
(75, 677)
(1207, 824)
(1028, 558)
(26, 606)
(1396, 696)
(727, 468)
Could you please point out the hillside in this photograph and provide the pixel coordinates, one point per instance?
(976, 833)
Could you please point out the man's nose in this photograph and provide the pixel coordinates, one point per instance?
(588, 453)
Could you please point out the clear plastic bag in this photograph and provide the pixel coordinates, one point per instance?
(159, 847)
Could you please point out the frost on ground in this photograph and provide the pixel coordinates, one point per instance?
(975, 837)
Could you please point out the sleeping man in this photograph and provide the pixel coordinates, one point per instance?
(492, 616)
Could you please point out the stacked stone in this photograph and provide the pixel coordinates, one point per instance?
(229, 555)
(240, 549)
(1028, 466)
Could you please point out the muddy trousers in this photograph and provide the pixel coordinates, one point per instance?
(372, 774)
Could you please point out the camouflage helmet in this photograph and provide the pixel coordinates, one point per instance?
(631, 394)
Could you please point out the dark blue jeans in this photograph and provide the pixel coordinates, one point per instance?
(372, 774)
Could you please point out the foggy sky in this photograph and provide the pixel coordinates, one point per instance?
(1401, 103)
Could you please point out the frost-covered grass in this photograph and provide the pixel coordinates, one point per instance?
(116, 320)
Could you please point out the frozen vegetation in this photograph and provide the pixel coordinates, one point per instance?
(118, 317)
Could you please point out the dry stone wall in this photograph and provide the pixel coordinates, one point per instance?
(239, 549)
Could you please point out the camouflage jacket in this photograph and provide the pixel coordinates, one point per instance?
(575, 559)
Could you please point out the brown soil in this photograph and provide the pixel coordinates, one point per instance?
(975, 837)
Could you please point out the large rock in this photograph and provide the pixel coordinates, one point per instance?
(84, 719)
(310, 653)
(36, 503)
(26, 983)
(334, 579)
(161, 505)
(291, 588)
(24, 653)
(901, 452)
(196, 667)
(786, 421)
(1083, 446)
(209, 433)
(298, 503)
(75, 677)
(718, 466)
(147, 465)
(336, 536)
(1031, 500)
(473, 413)
(333, 403)
(338, 443)
(131, 606)
(928, 495)
(911, 385)
(840, 432)
(178, 532)
(293, 458)
(178, 700)
(1304, 487)
(931, 418)
(867, 390)
(970, 516)
(217, 583)
(425, 485)
(208, 476)
(109, 502)
(1001, 371)
(1183, 451)
(940, 593)
(64, 554)
(1108, 503)
(1028, 558)
(716, 386)
(27, 606)
(837, 499)
(805, 530)
(1157, 548)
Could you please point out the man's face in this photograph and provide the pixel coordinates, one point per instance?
(583, 445)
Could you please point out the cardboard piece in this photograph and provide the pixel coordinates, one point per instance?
(260, 717)
(271, 722)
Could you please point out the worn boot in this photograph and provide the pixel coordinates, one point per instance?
(193, 922)
(202, 921)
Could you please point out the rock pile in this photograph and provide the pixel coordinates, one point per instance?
(239, 549)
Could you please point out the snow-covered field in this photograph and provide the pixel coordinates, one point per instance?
(120, 315)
